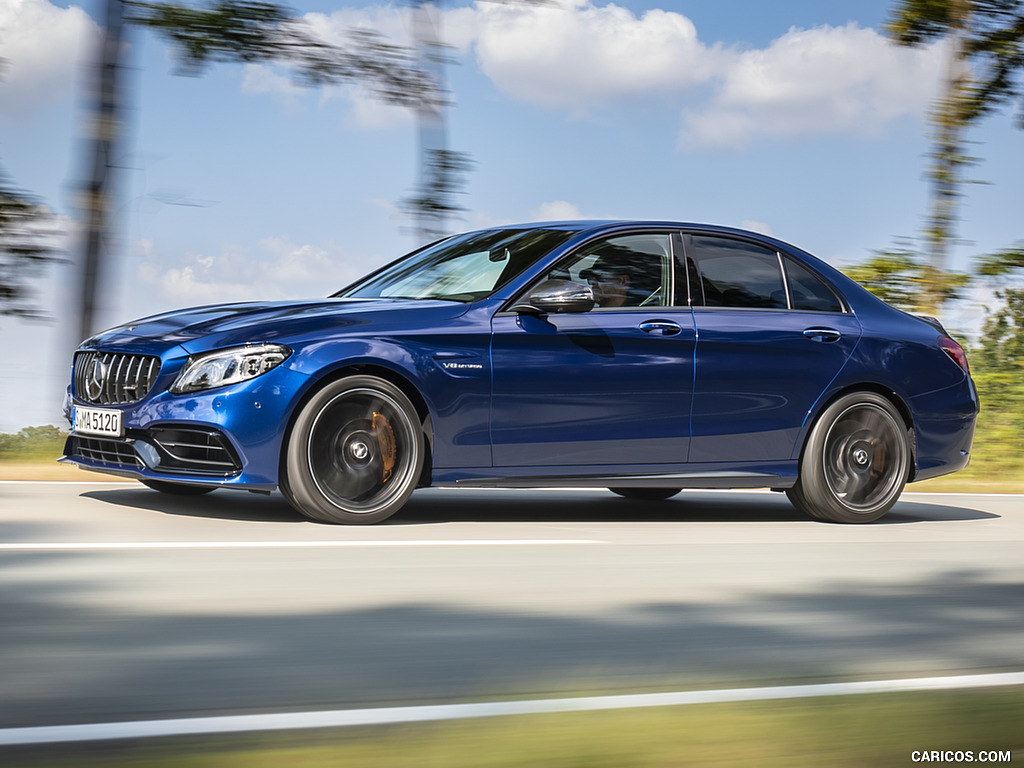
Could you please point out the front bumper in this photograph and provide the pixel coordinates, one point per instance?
(229, 436)
(195, 453)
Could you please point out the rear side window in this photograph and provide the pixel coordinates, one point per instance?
(734, 273)
(807, 292)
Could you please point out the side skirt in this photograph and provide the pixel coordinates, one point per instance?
(783, 476)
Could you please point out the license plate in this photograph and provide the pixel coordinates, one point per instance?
(98, 421)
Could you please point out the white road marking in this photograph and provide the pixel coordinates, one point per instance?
(96, 545)
(191, 726)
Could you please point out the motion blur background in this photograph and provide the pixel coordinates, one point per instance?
(275, 170)
(800, 119)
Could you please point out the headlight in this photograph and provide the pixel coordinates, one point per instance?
(229, 366)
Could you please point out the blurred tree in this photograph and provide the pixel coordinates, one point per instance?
(902, 277)
(1001, 346)
(245, 31)
(987, 34)
(434, 202)
(251, 31)
(97, 192)
(1001, 262)
(32, 443)
(1000, 350)
(248, 31)
(986, 59)
(27, 234)
(997, 365)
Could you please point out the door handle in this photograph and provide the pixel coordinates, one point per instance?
(823, 334)
(661, 328)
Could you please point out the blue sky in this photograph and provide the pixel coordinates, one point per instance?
(794, 117)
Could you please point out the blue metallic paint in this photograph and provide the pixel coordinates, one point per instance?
(514, 399)
(592, 388)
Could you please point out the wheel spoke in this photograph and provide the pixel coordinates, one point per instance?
(858, 488)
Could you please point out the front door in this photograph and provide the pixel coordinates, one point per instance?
(609, 387)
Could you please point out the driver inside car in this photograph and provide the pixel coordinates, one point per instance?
(609, 279)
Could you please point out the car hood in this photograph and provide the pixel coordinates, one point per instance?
(209, 327)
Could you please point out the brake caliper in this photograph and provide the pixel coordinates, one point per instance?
(386, 440)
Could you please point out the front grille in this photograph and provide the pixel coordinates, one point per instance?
(104, 450)
(112, 378)
(199, 451)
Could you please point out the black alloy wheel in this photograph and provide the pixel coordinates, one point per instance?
(856, 461)
(355, 453)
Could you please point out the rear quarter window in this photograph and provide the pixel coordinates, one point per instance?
(808, 292)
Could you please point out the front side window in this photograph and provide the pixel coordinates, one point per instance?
(462, 268)
(735, 273)
(623, 271)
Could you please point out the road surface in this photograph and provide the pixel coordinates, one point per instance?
(120, 603)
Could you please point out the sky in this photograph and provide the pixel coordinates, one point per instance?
(796, 118)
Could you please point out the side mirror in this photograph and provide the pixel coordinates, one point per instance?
(556, 297)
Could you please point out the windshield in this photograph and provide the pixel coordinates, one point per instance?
(461, 268)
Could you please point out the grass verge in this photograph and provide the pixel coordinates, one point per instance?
(845, 732)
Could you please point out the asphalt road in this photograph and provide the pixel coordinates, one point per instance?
(119, 603)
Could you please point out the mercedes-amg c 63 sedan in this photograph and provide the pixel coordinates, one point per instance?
(644, 357)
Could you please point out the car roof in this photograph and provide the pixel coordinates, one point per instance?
(595, 226)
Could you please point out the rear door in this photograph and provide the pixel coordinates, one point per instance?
(771, 337)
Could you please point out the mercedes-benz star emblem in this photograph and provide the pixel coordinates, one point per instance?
(95, 378)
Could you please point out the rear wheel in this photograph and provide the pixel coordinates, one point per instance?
(855, 463)
(177, 489)
(646, 494)
(355, 453)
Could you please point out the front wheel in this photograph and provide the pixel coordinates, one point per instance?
(355, 453)
(855, 463)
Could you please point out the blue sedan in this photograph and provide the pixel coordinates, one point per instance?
(641, 357)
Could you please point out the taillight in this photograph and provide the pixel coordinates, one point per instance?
(955, 351)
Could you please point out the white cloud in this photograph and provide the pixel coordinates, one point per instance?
(556, 210)
(827, 80)
(390, 21)
(279, 269)
(572, 55)
(263, 78)
(577, 56)
(43, 45)
(367, 111)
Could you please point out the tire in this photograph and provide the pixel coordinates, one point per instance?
(855, 463)
(646, 494)
(355, 453)
(177, 489)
